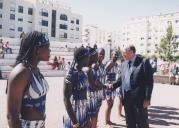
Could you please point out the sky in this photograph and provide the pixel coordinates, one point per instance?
(111, 14)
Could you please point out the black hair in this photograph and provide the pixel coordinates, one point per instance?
(79, 54)
(92, 51)
(28, 46)
(101, 49)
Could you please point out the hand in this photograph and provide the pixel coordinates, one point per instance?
(110, 87)
(76, 125)
(146, 103)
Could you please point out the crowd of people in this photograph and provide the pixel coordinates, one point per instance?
(4, 48)
(174, 74)
(58, 63)
(88, 83)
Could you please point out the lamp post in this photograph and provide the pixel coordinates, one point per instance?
(110, 44)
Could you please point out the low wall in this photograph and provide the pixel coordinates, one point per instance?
(164, 79)
(161, 79)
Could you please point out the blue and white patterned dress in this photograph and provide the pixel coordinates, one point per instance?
(92, 97)
(101, 73)
(79, 103)
(111, 77)
(35, 97)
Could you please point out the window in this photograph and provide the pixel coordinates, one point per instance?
(148, 51)
(72, 21)
(141, 44)
(0, 26)
(20, 19)
(53, 24)
(0, 15)
(12, 9)
(148, 44)
(142, 38)
(176, 21)
(30, 11)
(20, 29)
(12, 29)
(65, 35)
(77, 21)
(63, 17)
(20, 9)
(12, 16)
(77, 29)
(63, 26)
(45, 14)
(1, 5)
(44, 23)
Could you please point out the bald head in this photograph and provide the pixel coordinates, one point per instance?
(129, 52)
(130, 48)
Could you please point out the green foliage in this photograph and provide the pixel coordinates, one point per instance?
(119, 52)
(167, 48)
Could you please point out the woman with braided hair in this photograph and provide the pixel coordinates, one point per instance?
(75, 91)
(27, 88)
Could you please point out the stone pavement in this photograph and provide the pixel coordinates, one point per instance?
(163, 113)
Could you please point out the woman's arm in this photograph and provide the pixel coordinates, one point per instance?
(67, 92)
(92, 83)
(17, 83)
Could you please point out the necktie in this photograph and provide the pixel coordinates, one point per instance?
(129, 64)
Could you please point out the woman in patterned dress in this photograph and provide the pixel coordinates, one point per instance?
(101, 75)
(75, 91)
(95, 86)
(27, 88)
(112, 73)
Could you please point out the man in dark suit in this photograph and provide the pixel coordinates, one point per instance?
(136, 81)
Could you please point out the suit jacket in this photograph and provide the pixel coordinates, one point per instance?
(141, 80)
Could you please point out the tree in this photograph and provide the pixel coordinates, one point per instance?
(119, 52)
(167, 47)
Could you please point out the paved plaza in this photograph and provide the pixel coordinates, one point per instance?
(163, 113)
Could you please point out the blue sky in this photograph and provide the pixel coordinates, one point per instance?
(110, 14)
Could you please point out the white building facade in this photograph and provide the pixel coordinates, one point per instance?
(92, 34)
(146, 32)
(51, 17)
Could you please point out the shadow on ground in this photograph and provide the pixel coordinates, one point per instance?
(163, 116)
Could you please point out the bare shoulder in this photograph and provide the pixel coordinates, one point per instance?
(20, 74)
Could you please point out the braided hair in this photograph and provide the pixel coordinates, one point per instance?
(29, 44)
(92, 52)
(79, 54)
